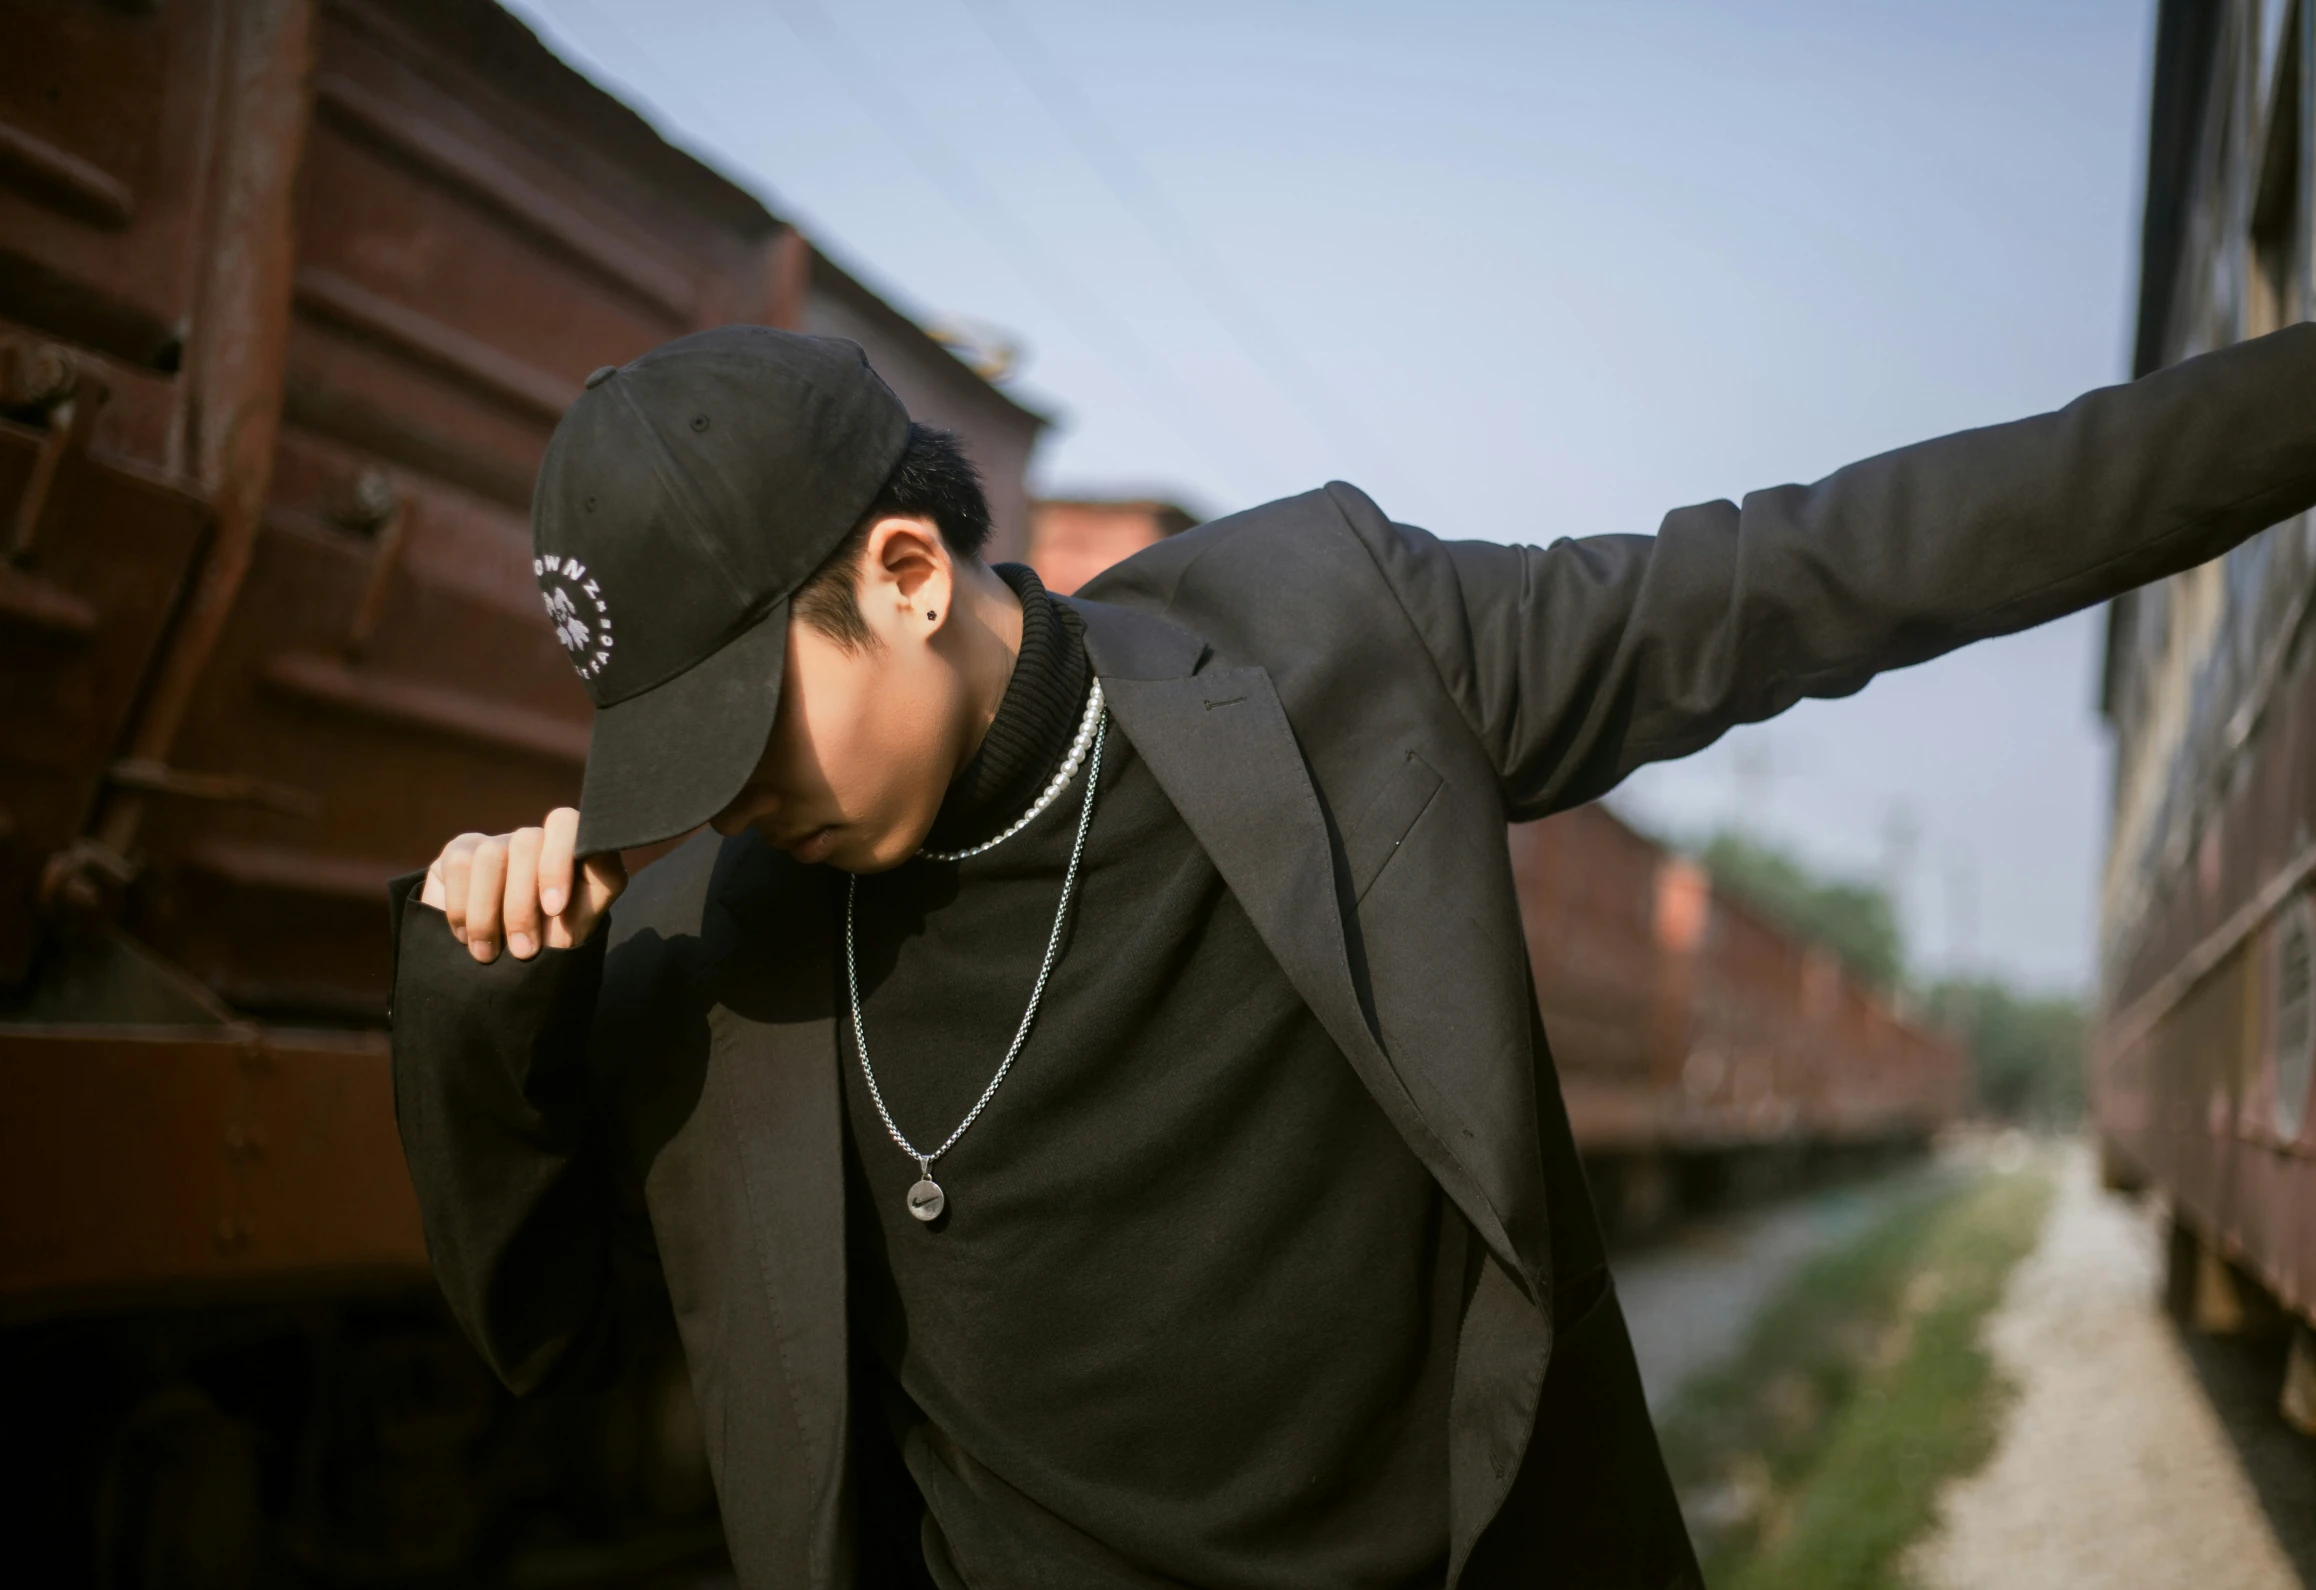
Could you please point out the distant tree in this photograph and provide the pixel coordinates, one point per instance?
(1854, 919)
(2026, 1050)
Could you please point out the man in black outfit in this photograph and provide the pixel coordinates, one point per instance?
(1084, 1094)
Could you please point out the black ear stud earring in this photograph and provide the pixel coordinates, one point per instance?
(932, 613)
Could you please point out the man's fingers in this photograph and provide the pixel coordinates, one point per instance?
(559, 835)
(522, 918)
(485, 893)
(524, 889)
(599, 880)
(606, 879)
(457, 864)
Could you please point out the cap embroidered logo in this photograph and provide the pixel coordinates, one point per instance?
(576, 608)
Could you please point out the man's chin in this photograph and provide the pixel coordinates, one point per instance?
(865, 854)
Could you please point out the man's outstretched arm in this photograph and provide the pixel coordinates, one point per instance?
(1577, 662)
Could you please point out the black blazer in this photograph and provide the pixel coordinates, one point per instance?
(1347, 713)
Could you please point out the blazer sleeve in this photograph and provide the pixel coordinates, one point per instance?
(1577, 662)
(492, 1093)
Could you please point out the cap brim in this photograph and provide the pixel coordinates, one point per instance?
(662, 763)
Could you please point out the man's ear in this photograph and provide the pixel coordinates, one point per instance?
(906, 574)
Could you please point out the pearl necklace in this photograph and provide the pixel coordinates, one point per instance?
(1052, 792)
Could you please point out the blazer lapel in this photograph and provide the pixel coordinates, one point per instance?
(1219, 743)
(775, 1049)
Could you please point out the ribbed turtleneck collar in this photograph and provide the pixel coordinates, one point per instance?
(1035, 721)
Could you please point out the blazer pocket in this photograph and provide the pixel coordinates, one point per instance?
(1389, 818)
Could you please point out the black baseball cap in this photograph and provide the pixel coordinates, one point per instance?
(684, 497)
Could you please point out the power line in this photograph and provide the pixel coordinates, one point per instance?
(980, 204)
(1130, 183)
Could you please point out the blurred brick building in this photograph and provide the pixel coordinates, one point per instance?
(1073, 539)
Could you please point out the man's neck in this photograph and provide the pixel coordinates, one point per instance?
(989, 619)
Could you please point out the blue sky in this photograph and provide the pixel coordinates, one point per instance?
(1521, 271)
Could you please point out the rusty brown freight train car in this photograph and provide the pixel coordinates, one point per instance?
(1699, 1044)
(2201, 1070)
(291, 294)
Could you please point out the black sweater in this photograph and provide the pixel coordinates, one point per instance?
(1190, 1315)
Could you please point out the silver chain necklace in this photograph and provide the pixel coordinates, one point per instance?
(926, 1199)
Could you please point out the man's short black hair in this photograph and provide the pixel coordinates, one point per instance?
(934, 480)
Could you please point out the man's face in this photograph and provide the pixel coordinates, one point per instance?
(867, 738)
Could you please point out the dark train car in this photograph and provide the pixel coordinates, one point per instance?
(2200, 1072)
(291, 294)
(1699, 1044)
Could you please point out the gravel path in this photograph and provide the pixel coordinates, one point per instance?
(2114, 1471)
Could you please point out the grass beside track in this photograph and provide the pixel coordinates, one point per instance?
(1816, 1457)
